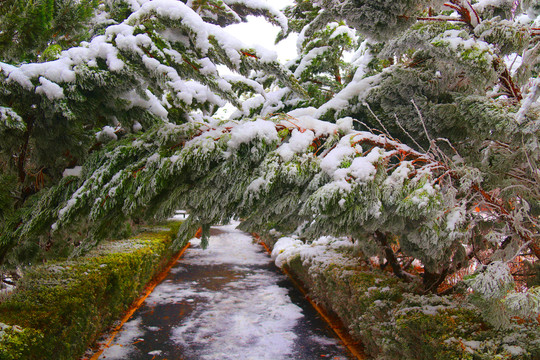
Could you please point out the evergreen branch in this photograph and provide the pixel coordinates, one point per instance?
(422, 122)
(531, 98)
(387, 133)
(440, 18)
(408, 134)
(23, 153)
(508, 219)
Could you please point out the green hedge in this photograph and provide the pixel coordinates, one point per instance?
(394, 321)
(59, 309)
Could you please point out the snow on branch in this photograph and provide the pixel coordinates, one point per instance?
(178, 64)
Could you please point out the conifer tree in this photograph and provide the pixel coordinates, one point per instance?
(38, 30)
(157, 66)
(423, 147)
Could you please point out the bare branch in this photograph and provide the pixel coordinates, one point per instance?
(409, 135)
(387, 133)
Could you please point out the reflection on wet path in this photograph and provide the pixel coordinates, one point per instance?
(226, 302)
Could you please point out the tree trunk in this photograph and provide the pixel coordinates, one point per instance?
(391, 258)
(21, 160)
(432, 280)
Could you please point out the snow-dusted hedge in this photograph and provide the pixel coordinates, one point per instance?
(60, 308)
(394, 319)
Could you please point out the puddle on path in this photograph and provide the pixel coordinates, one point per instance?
(226, 302)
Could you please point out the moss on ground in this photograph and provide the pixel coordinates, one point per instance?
(59, 309)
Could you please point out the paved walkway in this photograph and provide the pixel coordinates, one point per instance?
(226, 302)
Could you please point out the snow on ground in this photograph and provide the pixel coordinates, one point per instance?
(256, 322)
(235, 310)
(220, 251)
(252, 315)
(131, 332)
(179, 215)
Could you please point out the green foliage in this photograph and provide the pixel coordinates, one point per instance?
(7, 202)
(30, 28)
(135, 106)
(320, 66)
(152, 68)
(380, 19)
(118, 10)
(494, 294)
(506, 35)
(64, 306)
(18, 343)
(422, 336)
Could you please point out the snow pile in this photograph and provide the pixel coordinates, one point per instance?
(151, 102)
(354, 92)
(299, 142)
(121, 349)
(106, 134)
(317, 255)
(459, 40)
(48, 88)
(75, 171)
(285, 249)
(248, 131)
(481, 5)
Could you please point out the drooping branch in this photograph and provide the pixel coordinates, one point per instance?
(469, 16)
(440, 18)
(506, 81)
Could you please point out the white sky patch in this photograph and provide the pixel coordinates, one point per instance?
(250, 130)
(258, 31)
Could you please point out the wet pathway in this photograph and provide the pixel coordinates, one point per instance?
(226, 302)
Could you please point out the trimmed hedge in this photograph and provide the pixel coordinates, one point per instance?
(59, 309)
(393, 321)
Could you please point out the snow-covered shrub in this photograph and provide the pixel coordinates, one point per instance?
(394, 320)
